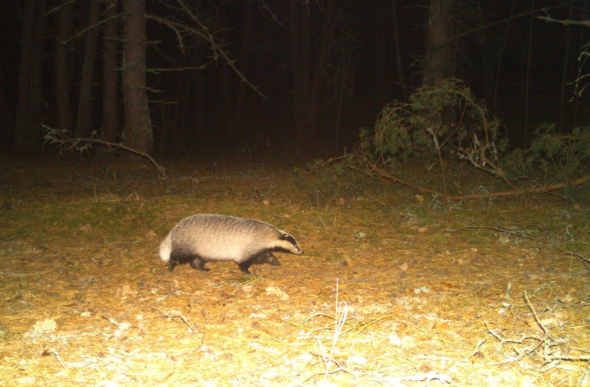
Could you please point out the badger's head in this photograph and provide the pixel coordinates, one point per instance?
(286, 242)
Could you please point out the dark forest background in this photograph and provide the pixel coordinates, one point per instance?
(286, 73)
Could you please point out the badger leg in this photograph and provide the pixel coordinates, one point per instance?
(273, 260)
(174, 261)
(245, 265)
(266, 257)
(198, 263)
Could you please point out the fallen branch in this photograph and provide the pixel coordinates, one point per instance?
(373, 170)
(584, 260)
(543, 341)
(65, 143)
(522, 234)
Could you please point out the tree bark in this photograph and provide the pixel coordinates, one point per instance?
(110, 122)
(138, 126)
(319, 76)
(38, 106)
(500, 58)
(440, 59)
(62, 73)
(564, 72)
(243, 64)
(84, 121)
(6, 117)
(398, 52)
(309, 79)
(300, 51)
(527, 80)
(227, 126)
(579, 106)
(24, 116)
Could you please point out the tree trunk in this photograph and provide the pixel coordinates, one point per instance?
(300, 51)
(441, 54)
(84, 121)
(527, 80)
(138, 126)
(579, 117)
(38, 106)
(319, 76)
(441, 50)
(6, 117)
(500, 57)
(398, 52)
(62, 73)
(110, 122)
(243, 64)
(564, 72)
(226, 125)
(309, 80)
(24, 124)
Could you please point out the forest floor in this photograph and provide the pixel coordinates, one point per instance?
(393, 288)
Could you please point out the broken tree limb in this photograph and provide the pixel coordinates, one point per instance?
(373, 170)
(59, 138)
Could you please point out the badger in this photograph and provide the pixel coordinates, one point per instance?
(204, 238)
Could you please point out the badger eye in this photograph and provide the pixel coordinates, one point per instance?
(290, 238)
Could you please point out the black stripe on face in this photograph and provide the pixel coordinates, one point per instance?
(288, 237)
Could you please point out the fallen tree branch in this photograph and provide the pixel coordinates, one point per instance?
(63, 142)
(544, 341)
(584, 260)
(373, 170)
(522, 234)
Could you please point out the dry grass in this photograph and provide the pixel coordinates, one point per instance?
(392, 289)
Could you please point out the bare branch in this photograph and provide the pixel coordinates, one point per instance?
(58, 8)
(174, 26)
(204, 33)
(265, 9)
(59, 138)
(79, 34)
(565, 22)
(523, 14)
(157, 70)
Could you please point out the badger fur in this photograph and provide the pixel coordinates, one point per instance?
(204, 238)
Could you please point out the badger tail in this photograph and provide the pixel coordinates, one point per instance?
(166, 248)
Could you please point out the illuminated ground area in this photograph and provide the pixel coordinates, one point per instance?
(392, 288)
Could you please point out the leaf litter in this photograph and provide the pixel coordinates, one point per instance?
(374, 300)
